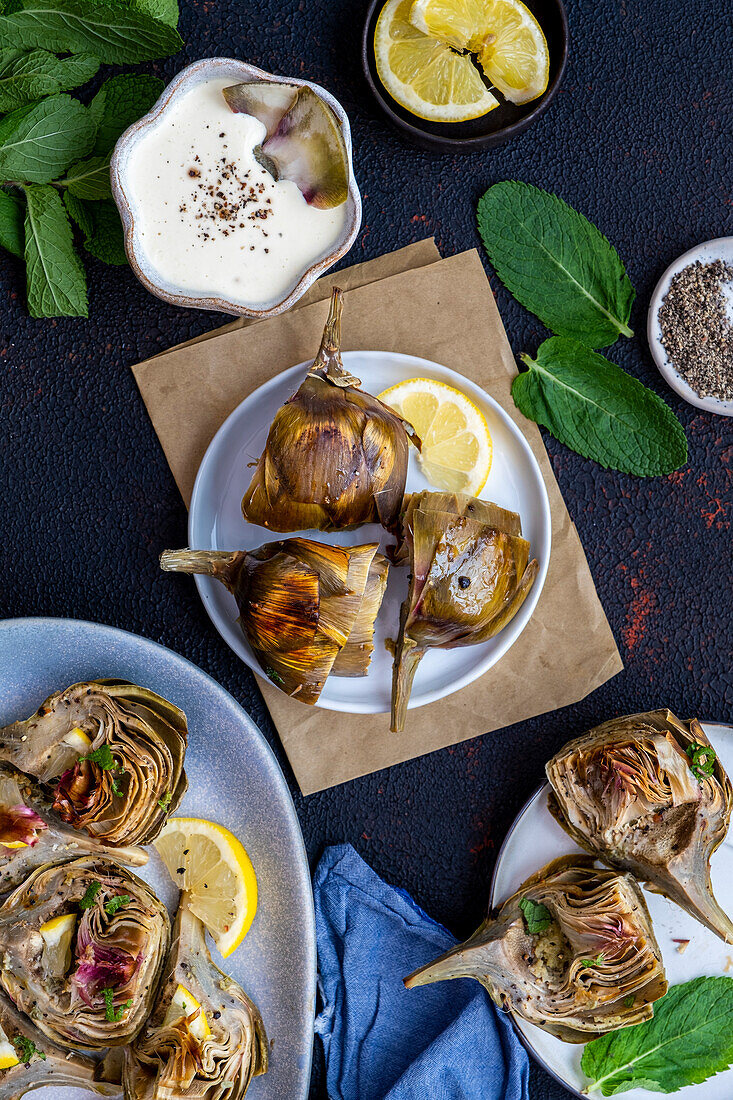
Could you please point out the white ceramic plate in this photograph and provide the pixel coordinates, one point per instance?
(216, 523)
(233, 779)
(534, 840)
(721, 248)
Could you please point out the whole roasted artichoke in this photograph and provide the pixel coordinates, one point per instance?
(111, 752)
(335, 456)
(40, 1063)
(82, 946)
(470, 574)
(205, 1039)
(31, 835)
(646, 793)
(307, 609)
(573, 951)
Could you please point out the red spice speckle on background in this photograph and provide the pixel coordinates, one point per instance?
(642, 604)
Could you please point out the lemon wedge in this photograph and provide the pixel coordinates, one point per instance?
(503, 34)
(423, 74)
(184, 1004)
(78, 740)
(57, 935)
(209, 863)
(456, 442)
(8, 1057)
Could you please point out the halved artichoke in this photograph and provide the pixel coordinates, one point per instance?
(40, 1063)
(646, 793)
(121, 788)
(573, 951)
(98, 990)
(335, 457)
(470, 574)
(32, 836)
(307, 609)
(209, 1053)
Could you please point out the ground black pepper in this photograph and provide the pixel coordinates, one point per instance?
(697, 333)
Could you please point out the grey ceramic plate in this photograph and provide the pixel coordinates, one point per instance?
(233, 779)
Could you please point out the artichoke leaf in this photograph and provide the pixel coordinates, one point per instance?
(591, 966)
(629, 792)
(336, 457)
(118, 952)
(209, 1053)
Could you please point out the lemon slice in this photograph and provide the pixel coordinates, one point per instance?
(78, 740)
(456, 442)
(503, 34)
(211, 866)
(8, 1057)
(424, 75)
(57, 935)
(184, 1004)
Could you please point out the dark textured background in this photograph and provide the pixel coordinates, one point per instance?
(639, 139)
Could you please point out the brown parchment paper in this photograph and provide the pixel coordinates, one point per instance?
(414, 302)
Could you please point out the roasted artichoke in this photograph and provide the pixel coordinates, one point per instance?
(307, 609)
(205, 1039)
(32, 836)
(573, 951)
(90, 979)
(470, 574)
(121, 788)
(41, 1063)
(647, 794)
(335, 456)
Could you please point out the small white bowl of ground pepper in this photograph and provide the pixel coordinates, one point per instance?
(690, 326)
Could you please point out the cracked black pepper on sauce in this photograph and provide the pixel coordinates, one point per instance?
(697, 333)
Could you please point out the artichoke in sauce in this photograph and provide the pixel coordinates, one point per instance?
(306, 609)
(41, 1063)
(32, 836)
(647, 794)
(572, 951)
(209, 1053)
(470, 574)
(123, 787)
(98, 991)
(335, 457)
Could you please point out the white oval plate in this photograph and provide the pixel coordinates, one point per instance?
(216, 523)
(534, 840)
(721, 248)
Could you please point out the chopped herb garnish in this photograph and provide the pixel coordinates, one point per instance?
(165, 801)
(629, 1001)
(537, 917)
(702, 760)
(274, 676)
(111, 906)
(103, 756)
(592, 962)
(27, 1049)
(111, 1014)
(90, 895)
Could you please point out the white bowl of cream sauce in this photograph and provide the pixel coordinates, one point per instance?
(206, 226)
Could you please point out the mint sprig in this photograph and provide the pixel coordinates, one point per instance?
(38, 144)
(28, 76)
(55, 281)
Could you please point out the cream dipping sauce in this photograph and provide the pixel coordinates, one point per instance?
(209, 219)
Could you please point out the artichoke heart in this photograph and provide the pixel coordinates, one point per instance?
(470, 574)
(573, 951)
(646, 793)
(208, 1044)
(306, 609)
(111, 752)
(40, 1063)
(335, 456)
(32, 836)
(117, 952)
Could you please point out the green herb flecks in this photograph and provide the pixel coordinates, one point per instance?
(27, 1049)
(90, 895)
(585, 963)
(165, 801)
(537, 917)
(702, 760)
(111, 1014)
(628, 1001)
(111, 906)
(274, 676)
(103, 756)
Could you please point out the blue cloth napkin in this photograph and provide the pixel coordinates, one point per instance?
(384, 1042)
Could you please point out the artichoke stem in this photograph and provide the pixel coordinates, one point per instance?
(465, 960)
(211, 563)
(328, 361)
(407, 657)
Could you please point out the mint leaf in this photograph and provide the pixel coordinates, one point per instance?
(90, 895)
(120, 102)
(55, 278)
(111, 31)
(689, 1039)
(537, 917)
(106, 240)
(25, 77)
(27, 1049)
(115, 903)
(80, 213)
(89, 179)
(598, 410)
(38, 143)
(556, 263)
(12, 218)
(165, 10)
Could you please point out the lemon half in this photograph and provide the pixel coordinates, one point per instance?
(208, 862)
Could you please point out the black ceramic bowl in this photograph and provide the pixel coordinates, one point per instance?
(503, 123)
